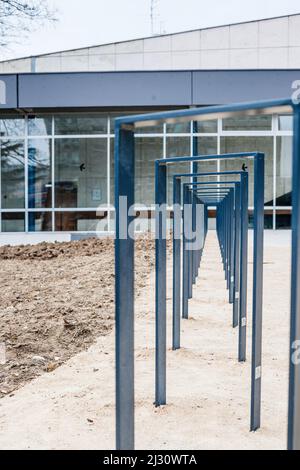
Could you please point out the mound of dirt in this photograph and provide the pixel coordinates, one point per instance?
(47, 251)
(55, 300)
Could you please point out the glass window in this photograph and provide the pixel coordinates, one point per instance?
(285, 123)
(39, 173)
(147, 150)
(179, 128)
(12, 126)
(268, 220)
(178, 147)
(207, 127)
(175, 168)
(12, 174)
(250, 144)
(13, 222)
(248, 123)
(39, 125)
(80, 172)
(144, 130)
(40, 221)
(85, 221)
(207, 146)
(283, 220)
(87, 124)
(284, 171)
(118, 114)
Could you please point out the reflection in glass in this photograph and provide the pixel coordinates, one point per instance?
(248, 123)
(283, 220)
(40, 221)
(80, 172)
(284, 171)
(250, 144)
(177, 147)
(84, 124)
(147, 150)
(13, 222)
(268, 220)
(39, 125)
(85, 221)
(286, 123)
(12, 174)
(39, 173)
(207, 127)
(206, 146)
(179, 128)
(12, 126)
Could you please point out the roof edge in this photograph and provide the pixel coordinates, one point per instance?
(151, 37)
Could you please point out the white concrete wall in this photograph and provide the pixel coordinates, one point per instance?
(262, 44)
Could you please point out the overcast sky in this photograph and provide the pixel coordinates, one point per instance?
(92, 22)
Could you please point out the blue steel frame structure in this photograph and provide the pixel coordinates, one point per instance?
(161, 349)
(240, 267)
(189, 264)
(124, 254)
(161, 183)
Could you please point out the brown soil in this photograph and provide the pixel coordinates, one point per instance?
(55, 300)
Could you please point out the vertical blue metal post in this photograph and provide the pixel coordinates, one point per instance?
(185, 280)
(258, 257)
(124, 284)
(235, 320)
(195, 166)
(190, 213)
(161, 284)
(294, 384)
(176, 263)
(244, 270)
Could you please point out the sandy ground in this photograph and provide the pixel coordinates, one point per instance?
(55, 300)
(208, 390)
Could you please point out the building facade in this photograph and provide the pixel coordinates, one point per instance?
(57, 116)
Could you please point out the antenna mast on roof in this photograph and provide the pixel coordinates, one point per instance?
(153, 15)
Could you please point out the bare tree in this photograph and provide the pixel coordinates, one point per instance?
(19, 17)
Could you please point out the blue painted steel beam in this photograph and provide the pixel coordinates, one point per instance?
(176, 263)
(124, 287)
(124, 152)
(176, 295)
(211, 112)
(258, 256)
(161, 286)
(294, 383)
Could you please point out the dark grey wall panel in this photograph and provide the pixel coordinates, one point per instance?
(105, 89)
(221, 87)
(76, 90)
(8, 91)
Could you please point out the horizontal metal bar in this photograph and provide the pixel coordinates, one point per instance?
(208, 113)
(186, 159)
(214, 173)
